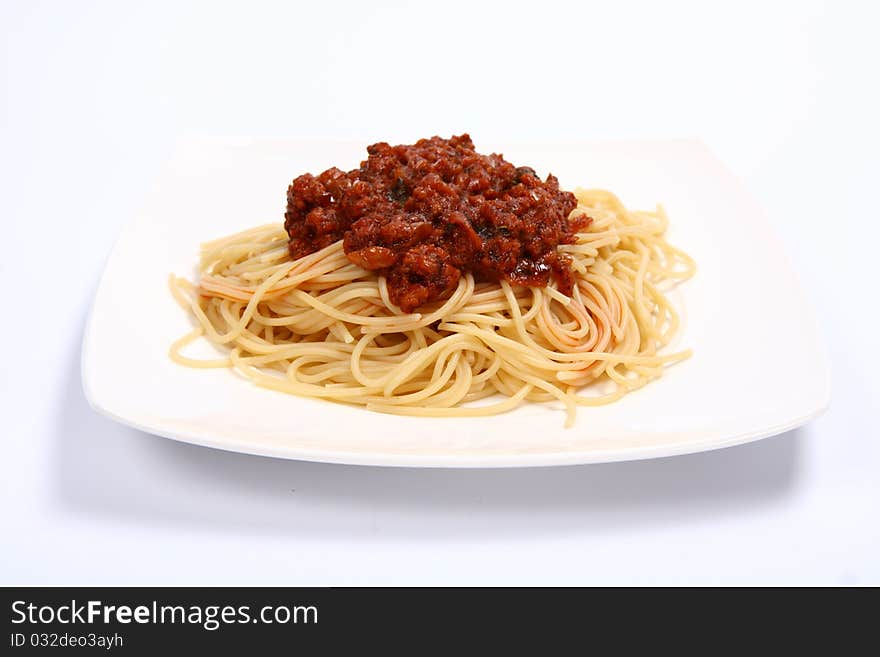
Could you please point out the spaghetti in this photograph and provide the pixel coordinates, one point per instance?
(321, 326)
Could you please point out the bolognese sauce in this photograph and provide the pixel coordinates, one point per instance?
(424, 214)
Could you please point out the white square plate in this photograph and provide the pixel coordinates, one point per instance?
(759, 367)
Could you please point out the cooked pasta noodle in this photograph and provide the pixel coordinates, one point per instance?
(322, 327)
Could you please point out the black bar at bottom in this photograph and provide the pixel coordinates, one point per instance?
(331, 621)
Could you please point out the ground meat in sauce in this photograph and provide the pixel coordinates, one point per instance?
(424, 214)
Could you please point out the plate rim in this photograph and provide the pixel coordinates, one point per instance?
(487, 460)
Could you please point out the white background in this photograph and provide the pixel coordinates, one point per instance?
(94, 97)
